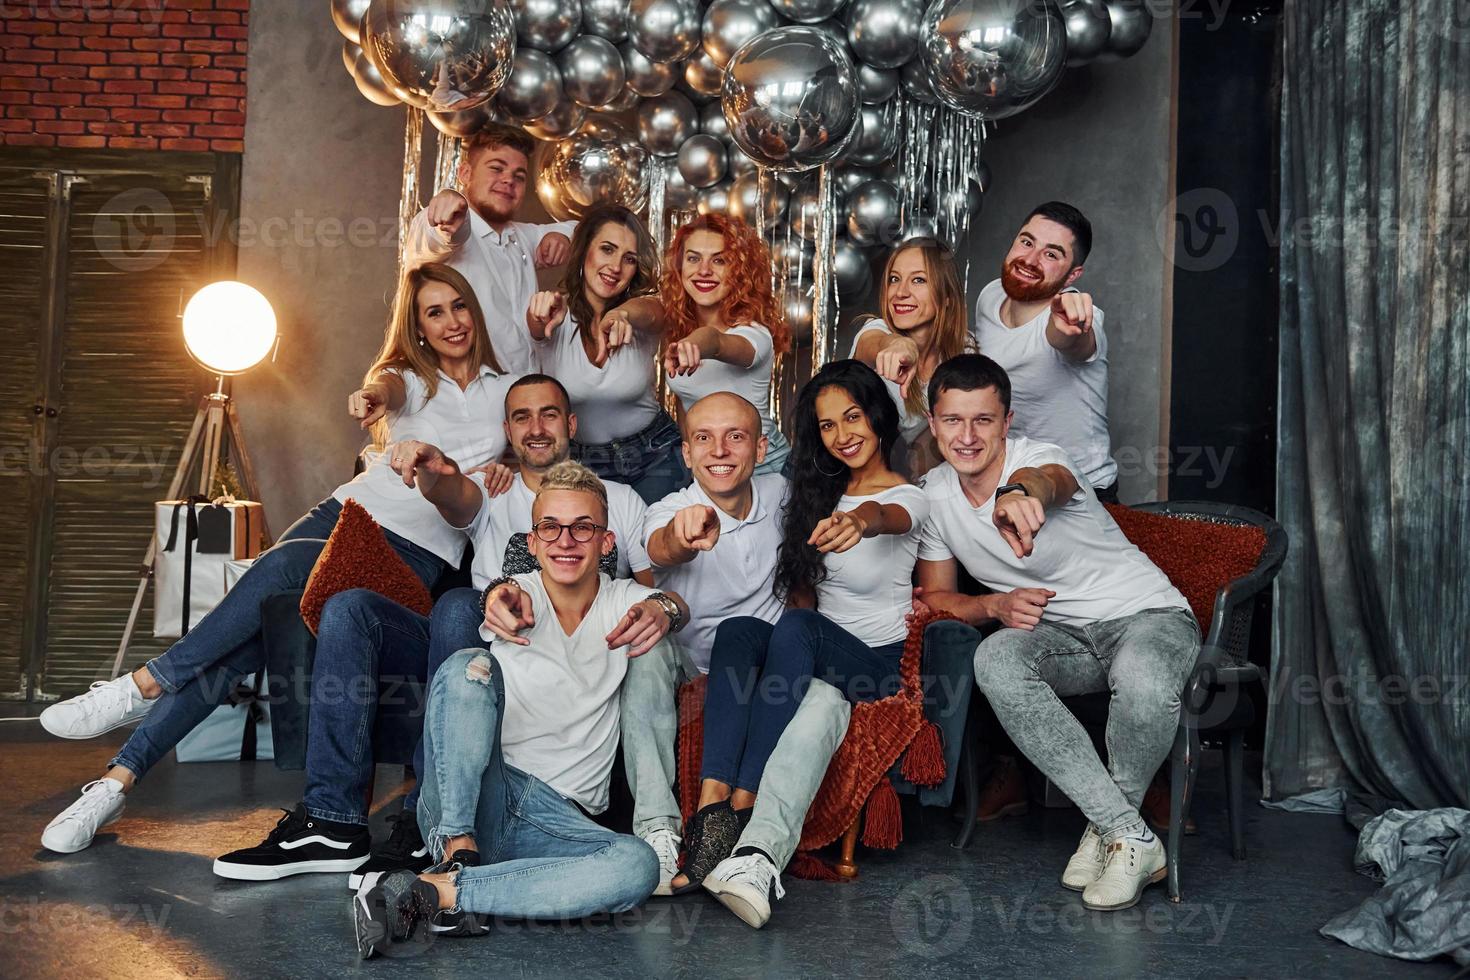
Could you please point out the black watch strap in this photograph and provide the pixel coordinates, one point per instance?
(1009, 488)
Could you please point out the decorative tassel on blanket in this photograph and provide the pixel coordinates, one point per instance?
(883, 826)
(923, 763)
(809, 867)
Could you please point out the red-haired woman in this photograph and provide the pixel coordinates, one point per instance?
(724, 327)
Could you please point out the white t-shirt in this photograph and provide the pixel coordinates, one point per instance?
(614, 401)
(1080, 552)
(1056, 400)
(465, 423)
(560, 720)
(752, 383)
(499, 267)
(500, 527)
(869, 588)
(909, 426)
(737, 577)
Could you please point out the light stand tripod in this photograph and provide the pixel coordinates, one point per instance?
(206, 445)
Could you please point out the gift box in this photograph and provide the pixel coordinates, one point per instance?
(194, 541)
(237, 731)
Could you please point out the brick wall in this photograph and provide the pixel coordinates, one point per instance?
(123, 74)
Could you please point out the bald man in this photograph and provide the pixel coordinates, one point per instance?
(718, 540)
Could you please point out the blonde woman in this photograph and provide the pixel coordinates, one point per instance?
(923, 325)
(436, 376)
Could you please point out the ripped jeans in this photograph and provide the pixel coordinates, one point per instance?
(543, 858)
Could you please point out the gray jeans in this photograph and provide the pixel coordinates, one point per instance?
(1143, 660)
(792, 776)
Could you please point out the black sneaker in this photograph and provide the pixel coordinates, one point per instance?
(404, 849)
(456, 921)
(391, 915)
(299, 844)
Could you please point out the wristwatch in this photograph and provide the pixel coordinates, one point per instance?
(671, 609)
(494, 584)
(1010, 488)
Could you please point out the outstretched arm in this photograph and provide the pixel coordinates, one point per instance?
(690, 531)
(457, 497)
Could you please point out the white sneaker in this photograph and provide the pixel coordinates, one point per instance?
(1131, 865)
(107, 705)
(1084, 866)
(100, 804)
(744, 884)
(665, 844)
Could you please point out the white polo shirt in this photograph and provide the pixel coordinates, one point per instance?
(869, 588)
(465, 423)
(752, 383)
(499, 266)
(737, 577)
(910, 426)
(560, 719)
(500, 527)
(1056, 400)
(611, 402)
(1080, 553)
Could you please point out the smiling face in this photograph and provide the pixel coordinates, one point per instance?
(494, 182)
(566, 560)
(610, 264)
(908, 296)
(723, 443)
(970, 429)
(444, 320)
(538, 425)
(844, 428)
(1039, 263)
(703, 268)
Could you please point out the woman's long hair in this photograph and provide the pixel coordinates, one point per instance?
(573, 281)
(401, 349)
(819, 479)
(951, 332)
(749, 273)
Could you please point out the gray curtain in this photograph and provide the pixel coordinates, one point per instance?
(1372, 616)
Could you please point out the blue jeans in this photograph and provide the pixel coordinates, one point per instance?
(543, 858)
(650, 461)
(759, 674)
(368, 648)
(198, 672)
(454, 625)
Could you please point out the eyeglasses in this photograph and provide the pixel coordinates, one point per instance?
(582, 531)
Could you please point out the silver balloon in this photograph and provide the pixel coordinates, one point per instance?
(793, 258)
(878, 140)
(966, 200)
(626, 99)
(1131, 23)
(745, 198)
(1088, 26)
(369, 82)
(873, 214)
(550, 193)
(730, 23)
(876, 85)
(982, 176)
(790, 98)
(804, 210)
(665, 122)
(559, 123)
(914, 79)
(848, 178)
(716, 199)
(679, 194)
(712, 120)
(920, 225)
(807, 11)
(588, 171)
(993, 58)
(350, 52)
(702, 160)
(602, 126)
(664, 30)
(834, 28)
(606, 18)
(547, 25)
(591, 70)
(884, 33)
(441, 54)
(737, 162)
(850, 269)
(647, 78)
(799, 316)
(534, 86)
(347, 15)
(703, 76)
(462, 124)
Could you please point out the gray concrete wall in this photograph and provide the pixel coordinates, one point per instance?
(1102, 142)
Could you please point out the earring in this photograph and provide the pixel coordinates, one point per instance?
(422, 341)
(819, 469)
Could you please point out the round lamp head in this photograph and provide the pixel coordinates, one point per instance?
(229, 327)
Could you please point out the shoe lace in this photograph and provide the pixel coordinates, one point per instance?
(666, 845)
(100, 693)
(93, 799)
(404, 838)
(757, 871)
(291, 821)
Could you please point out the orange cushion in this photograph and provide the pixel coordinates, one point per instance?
(358, 556)
(1197, 556)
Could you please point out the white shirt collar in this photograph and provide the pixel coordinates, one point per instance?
(727, 522)
(481, 229)
(486, 371)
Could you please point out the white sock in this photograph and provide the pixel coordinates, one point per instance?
(137, 691)
(113, 786)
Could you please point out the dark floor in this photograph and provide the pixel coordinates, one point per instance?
(143, 902)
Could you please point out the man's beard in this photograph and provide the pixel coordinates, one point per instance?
(492, 209)
(1026, 291)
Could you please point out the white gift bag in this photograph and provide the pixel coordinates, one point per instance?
(194, 541)
(239, 731)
